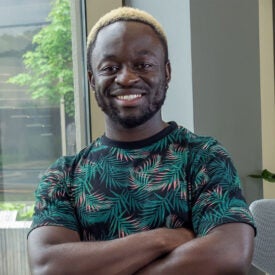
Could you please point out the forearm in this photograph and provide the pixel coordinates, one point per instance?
(218, 253)
(120, 256)
(190, 260)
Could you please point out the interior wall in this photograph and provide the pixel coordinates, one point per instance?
(174, 16)
(226, 81)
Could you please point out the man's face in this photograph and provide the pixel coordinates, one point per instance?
(129, 73)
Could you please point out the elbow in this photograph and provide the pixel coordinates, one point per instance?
(241, 262)
(40, 270)
(239, 268)
(41, 264)
(236, 268)
(237, 257)
(236, 265)
(44, 269)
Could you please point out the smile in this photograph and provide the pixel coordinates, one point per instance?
(129, 97)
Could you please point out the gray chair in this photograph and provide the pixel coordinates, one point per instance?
(264, 254)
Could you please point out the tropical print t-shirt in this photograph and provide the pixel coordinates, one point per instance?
(112, 189)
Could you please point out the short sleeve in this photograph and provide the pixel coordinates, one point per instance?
(216, 192)
(53, 205)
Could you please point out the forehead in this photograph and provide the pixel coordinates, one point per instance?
(125, 35)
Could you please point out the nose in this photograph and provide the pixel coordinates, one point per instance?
(126, 77)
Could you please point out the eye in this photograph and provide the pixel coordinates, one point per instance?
(143, 66)
(108, 70)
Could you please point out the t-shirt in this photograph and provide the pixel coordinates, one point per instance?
(113, 189)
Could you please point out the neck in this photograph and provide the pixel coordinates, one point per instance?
(151, 127)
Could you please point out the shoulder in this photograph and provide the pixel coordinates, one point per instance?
(195, 143)
(65, 165)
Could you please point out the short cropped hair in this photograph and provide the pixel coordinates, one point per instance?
(124, 14)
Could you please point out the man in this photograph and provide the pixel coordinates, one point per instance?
(148, 197)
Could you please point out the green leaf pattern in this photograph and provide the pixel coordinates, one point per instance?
(106, 192)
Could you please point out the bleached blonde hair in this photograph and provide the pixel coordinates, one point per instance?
(124, 14)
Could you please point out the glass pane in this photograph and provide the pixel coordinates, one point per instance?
(36, 112)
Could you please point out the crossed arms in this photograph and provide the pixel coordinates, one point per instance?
(227, 249)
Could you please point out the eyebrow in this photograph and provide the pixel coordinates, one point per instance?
(140, 53)
(146, 52)
(105, 58)
(108, 56)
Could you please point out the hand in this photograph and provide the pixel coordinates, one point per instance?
(172, 238)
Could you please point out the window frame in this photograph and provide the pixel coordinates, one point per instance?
(81, 89)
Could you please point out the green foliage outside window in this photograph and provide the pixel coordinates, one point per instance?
(24, 211)
(49, 66)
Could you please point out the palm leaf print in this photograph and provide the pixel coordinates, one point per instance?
(118, 215)
(96, 202)
(217, 204)
(162, 145)
(110, 190)
(123, 226)
(95, 209)
(112, 172)
(82, 181)
(140, 177)
(200, 152)
(157, 209)
(222, 171)
(133, 199)
(124, 155)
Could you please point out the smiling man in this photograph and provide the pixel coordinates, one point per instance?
(148, 197)
(131, 78)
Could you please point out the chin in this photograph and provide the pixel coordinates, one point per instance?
(133, 121)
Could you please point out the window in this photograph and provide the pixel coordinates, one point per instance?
(37, 111)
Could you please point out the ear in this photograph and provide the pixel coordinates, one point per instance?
(91, 80)
(168, 71)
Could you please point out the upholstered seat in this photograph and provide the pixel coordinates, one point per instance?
(264, 255)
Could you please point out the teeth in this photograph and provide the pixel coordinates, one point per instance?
(128, 97)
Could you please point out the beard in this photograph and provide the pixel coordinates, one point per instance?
(132, 121)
